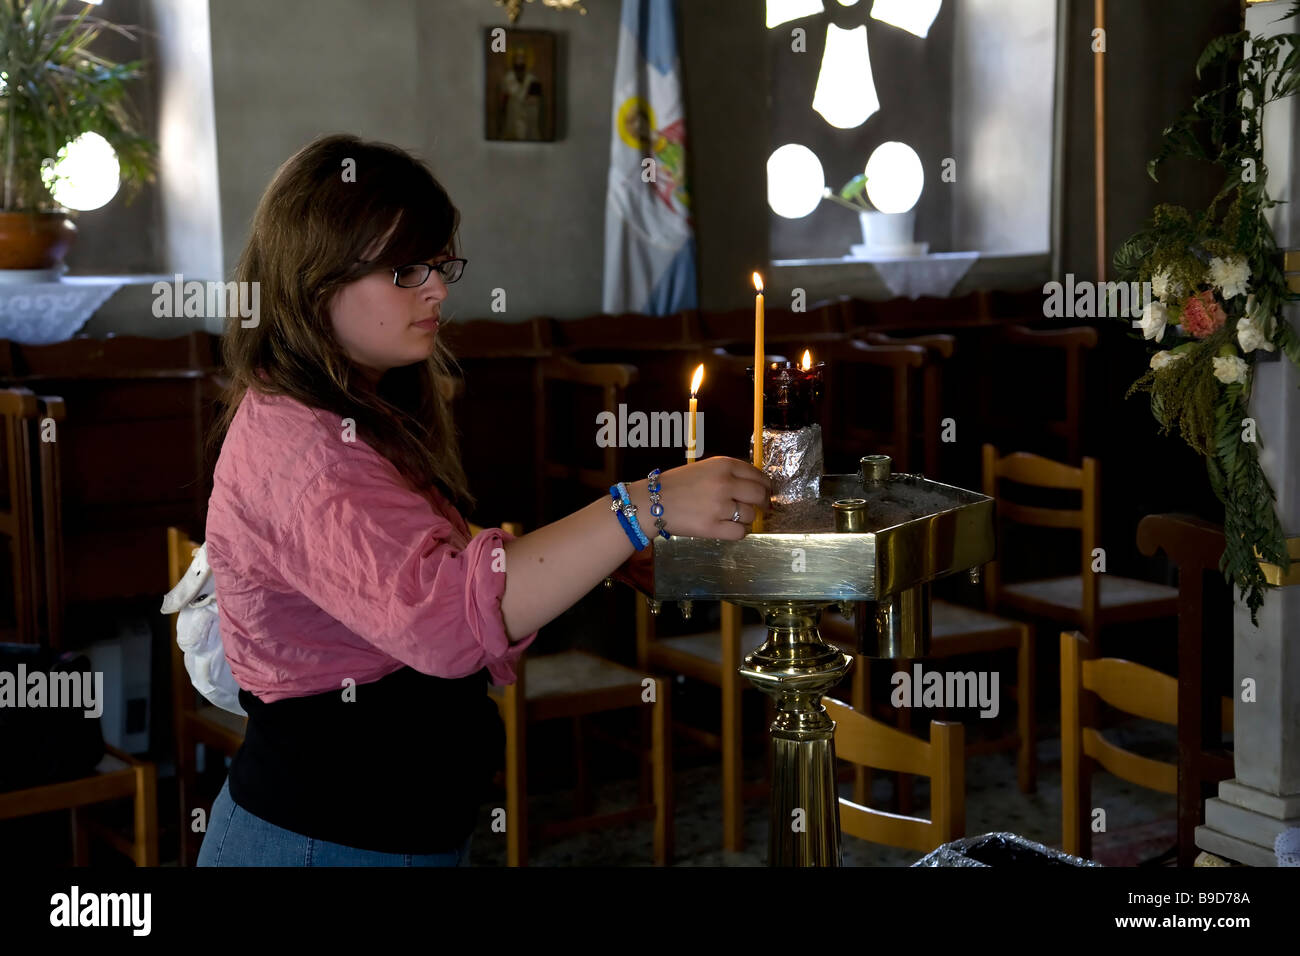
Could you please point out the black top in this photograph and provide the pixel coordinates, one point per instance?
(403, 768)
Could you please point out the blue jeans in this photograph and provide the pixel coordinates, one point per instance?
(236, 837)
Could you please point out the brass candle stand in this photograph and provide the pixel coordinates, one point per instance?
(872, 541)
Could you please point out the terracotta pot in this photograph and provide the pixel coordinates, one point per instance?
(34, 240)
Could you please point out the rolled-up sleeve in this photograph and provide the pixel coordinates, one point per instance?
(378, 558)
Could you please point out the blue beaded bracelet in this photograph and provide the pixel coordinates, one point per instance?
(656, 508)
(639, 541)
(629, 512)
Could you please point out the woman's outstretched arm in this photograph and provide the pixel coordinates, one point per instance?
(549, 570)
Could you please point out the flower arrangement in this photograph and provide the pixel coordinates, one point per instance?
(1218, 289)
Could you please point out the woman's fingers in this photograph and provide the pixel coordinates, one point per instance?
(746, 471)
(752, 493)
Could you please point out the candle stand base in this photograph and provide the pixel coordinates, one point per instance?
(795, 667)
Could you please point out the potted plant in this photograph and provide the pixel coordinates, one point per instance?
(883, 233)
(53, 91)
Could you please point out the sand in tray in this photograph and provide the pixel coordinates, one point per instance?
(887, 505)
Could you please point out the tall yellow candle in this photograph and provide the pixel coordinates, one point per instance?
(760, 360)
(691, 453)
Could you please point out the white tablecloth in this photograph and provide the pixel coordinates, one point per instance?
(41, 313)
(936, 274)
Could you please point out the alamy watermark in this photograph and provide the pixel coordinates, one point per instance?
(954, 690)
(202, 300)
(654, 430)
(76, 690)
(75, 908)
(1095, 300)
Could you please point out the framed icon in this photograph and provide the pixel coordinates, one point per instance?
(520, 85)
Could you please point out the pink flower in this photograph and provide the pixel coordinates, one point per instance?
(1202, 314)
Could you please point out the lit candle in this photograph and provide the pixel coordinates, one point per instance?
(690, 422)
(806, 364)
(760, 360)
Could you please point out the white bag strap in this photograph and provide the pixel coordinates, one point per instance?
(190, 584)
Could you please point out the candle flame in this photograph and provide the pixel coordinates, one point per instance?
(758, 282)
(696, 380)
(807, 360)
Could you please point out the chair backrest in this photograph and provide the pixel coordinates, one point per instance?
(1126, 686)
(938, 348)
(1038, 472)
(611, 381)
(845, 432)
(17, 509)
(180, 552)
(1071, 343)
(52, 412)
(870, 743)
(821, 322)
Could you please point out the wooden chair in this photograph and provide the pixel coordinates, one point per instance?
(194, 720)
(1129, 687)
(1204, 650)
(715, 658)
(1089, 600)
(631, 331)
(575, 684)
(909, 315)
(51, 413)
(866, 742)
(119, 776)
(847, 431)
(822, 322)
(555, 460)
(33, 520)
(938, 348)
(124, 392)
(35, 512)
(955, 630)
(1070, 345)
(18, 409)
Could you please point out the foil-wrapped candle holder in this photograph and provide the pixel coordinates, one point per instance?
(792, 438)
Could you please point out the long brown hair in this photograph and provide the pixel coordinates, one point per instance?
(327, 206)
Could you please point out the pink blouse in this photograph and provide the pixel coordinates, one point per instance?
(328, 566)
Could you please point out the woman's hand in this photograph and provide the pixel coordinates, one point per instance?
(700, 499)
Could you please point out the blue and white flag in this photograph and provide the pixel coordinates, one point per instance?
(649, 234)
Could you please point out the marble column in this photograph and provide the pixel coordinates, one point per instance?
(1263, 799)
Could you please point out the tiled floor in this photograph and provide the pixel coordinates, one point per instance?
(1139, 823)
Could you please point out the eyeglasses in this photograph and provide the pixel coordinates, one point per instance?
(417, 274)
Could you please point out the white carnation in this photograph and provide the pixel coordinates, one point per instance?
(1250, 337)
(1230, 369)
(1153, 322)
(1230, 275)
(1160, 284)
(1167, 357)
(1163, 287)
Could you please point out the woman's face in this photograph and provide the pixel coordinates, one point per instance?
(381, 325)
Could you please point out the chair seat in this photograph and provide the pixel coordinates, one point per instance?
(215, 716)
(573, 672)
(950, 620)
(952, 627)
(1130, 594)
(708, 645)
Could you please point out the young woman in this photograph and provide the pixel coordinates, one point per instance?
(359, 617)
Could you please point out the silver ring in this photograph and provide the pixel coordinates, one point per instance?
(736, 516)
